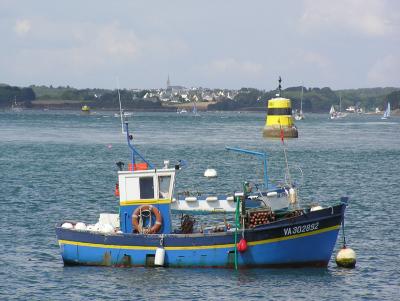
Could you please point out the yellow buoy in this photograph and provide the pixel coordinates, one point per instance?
(346, 258)
(279, 121)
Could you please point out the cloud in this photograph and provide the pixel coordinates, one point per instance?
(317, 59)
(83, 51)
(22, 27)
(385, 72)
(368, 17)
(228, 65)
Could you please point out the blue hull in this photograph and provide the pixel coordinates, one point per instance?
(306, 240)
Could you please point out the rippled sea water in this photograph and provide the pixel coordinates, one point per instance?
(58, 165)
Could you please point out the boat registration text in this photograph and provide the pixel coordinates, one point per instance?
(300, 229)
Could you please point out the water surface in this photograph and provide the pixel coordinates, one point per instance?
(58, 165)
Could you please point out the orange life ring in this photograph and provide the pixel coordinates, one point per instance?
(153, 210)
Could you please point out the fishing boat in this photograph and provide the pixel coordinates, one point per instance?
(142, 233)
(299, 115)
(386, 114)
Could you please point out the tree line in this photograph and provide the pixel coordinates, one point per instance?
(314, 99)
(10, 95)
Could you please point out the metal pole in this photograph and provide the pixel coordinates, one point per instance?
(259, 154)
(134, 151)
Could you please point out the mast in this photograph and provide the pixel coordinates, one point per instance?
(301, 100)
(120, 109)
(121, 114)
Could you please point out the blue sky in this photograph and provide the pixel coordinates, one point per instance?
(216, 44)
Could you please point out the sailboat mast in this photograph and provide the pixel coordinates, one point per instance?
(121, 113)
(301, 100)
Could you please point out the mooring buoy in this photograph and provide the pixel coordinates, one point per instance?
(346, 258)
(210, 173)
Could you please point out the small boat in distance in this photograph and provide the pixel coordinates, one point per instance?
(299, 115)
(16, 107)
(85, 109)
(337, 114)
(124, 114)
(333, 113)
(194, 110)
(386, 115)
(181, 111)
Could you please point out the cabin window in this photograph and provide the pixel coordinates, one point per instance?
(146, 188)
(163, 186)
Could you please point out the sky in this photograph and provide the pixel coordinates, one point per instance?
(341, 44)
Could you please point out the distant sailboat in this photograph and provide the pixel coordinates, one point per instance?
(15, 107)
(386, 115)
(300, 115)
(337, 115)
(333, 113)
(340, 114)
(194, 111)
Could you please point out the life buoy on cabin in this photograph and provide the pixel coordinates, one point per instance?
(137, 215)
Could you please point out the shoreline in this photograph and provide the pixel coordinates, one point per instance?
(70, 105)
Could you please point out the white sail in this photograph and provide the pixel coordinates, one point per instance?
(386, 115)
(299, 115)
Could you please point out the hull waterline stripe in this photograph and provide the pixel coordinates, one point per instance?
(143, 202)
(253, 243)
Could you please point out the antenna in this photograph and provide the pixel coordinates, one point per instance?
(279, 86)
(120, 109)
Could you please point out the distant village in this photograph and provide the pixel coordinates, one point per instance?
(176, 97)
(180, 94)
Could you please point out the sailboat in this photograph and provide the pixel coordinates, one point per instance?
(194, 111)
(337, 115)
(333, 113)
(15, 107)
(386, 115)
(341, 114)
(300, 115)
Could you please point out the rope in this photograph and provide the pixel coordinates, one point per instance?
(141, 222)
(284, 152)
(344, 236)
(237, 222)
